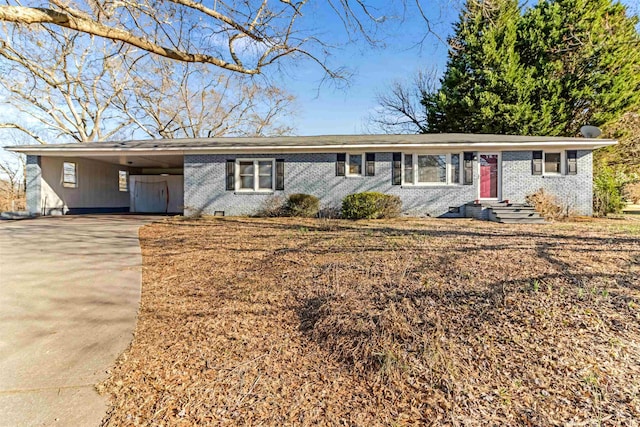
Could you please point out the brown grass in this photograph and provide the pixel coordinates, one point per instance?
(404, 322)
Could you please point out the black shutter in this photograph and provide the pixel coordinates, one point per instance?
(572, 162)
(396, 178)
(536, 163)
(279, 174)
(231, 175)
(467, 168)
(370, 169)
(340, 164)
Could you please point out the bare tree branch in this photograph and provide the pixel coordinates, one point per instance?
(400, 107)
(22, 129)
(242, 36)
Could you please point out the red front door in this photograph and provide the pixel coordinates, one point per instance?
(488, 176)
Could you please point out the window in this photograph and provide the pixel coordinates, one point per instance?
(572, 162)
(255, 175)
(69, 175)
(424, 169)
(354, 164)
(408, 168)
(123, 180)
(455, 169)
(552, 162)
(432, 168)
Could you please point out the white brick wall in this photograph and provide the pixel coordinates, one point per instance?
(574, 191)
(313, 173)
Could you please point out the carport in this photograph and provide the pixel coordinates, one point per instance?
(102, 178)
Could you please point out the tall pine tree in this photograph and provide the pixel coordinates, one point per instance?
(585, 59)
(562, 64)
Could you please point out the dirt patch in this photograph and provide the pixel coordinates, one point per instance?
(405, 322)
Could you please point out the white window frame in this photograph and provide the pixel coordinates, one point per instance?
(447, 182)
(563, 160)
(126, 185)
(69, 184)
(256, 176)
(347, 163)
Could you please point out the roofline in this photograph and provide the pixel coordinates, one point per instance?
(52, 150)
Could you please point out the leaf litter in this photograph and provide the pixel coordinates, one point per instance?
(405, 322)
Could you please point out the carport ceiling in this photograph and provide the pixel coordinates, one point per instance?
(146, 161)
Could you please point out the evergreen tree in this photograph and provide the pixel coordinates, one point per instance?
(562, 64)
(480, 89)
(585, 58)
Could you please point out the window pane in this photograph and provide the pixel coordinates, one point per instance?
(432, 168)
(265, 168)
(265, 182)
(246, 182)
(123, 182)
(455, 168)
(246, 168)
(408, 168)
(552, 162)
(355, 164)
(69, 173)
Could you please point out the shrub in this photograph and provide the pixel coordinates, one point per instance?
(303, 205)
(273, 206)
(371, 205)
(547, 205)
(607, 191)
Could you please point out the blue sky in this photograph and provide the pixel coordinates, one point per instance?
(327, 110)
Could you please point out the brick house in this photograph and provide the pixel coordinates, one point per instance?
(434, 174)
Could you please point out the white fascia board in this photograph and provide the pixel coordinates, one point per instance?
(159, 151)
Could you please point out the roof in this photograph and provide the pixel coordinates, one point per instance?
(320, 143)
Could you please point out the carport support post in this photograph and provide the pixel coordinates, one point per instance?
(33, 190)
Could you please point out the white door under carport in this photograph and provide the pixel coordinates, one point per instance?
(156, 193)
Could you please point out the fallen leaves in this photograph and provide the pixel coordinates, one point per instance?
(405, 322)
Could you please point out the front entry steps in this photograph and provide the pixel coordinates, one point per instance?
(504, 212)
(514, 213)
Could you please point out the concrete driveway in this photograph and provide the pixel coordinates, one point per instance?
(69, 296)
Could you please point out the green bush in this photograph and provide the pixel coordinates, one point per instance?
(303, 205)
(607, 191)
(371, 205)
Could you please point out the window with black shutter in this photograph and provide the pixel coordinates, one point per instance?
(370, 168)
(231, 175)
(467, 168)
(279, 174)
(536, 163)
(396, 178)
(572, 162)
(340, 164)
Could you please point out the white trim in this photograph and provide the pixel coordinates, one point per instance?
(563, 160)
(256, 176)
(69, 184)
(347, 162)
(126, 181)
(499, 189)
(414, 166)
(82, 150)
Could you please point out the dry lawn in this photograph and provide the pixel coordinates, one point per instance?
(406, 322)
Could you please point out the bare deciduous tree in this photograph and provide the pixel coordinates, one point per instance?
(242, 36)
(172, 100)
(12, 182)
(66, 86)
(400, 107)
(62, 85)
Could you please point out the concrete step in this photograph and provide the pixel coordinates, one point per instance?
(523, 209)
(517, 215)
(538, 220)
